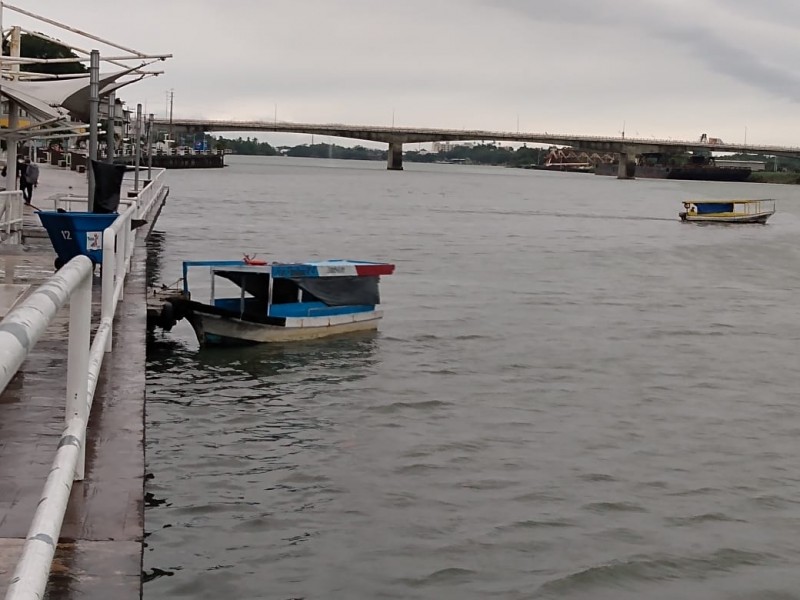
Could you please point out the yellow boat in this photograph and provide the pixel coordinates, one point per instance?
(727, 211)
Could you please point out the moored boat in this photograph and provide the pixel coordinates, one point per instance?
(283, 302)
(727, 211)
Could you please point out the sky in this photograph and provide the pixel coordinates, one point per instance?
(651, 68)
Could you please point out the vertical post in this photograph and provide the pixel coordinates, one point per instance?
(122, 249)
(1, 70)
(150, 148)
(94, 103)
(171, 98)
(137, 148)
(80, 322)
(13, 117)
(107, 282)
(110, 143)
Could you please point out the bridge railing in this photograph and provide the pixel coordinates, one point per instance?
(433, 134)
(19, 332)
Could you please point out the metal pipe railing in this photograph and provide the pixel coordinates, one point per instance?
(11, 212)
(20, 330)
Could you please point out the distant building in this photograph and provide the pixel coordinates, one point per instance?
(754, 165)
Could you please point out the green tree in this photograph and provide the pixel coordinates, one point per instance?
(32, 46)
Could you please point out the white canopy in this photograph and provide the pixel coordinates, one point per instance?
(61, 95)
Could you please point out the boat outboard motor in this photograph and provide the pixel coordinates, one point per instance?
(107, 186)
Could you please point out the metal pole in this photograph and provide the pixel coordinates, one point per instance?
(13, 117)
(150, 148)
(107, 283)
(80, 326)
(171, 98)
(137, 138)
(110, 127)
(94, 104)
(1, 69)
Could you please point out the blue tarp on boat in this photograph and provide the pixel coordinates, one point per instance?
(707, 209)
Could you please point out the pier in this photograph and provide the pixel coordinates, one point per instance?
(99, 548)
(78, 161)
(72, 341)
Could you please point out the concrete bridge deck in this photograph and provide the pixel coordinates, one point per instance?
(99, 554)
(395, 137)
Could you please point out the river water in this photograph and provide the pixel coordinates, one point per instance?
(572, 395)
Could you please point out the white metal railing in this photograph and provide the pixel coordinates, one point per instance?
(20, 330)
(143, 194)
(11, 213)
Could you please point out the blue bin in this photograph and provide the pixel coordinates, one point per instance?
(74, 233)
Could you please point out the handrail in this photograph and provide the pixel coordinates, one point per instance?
(11, 212)
(20, 330)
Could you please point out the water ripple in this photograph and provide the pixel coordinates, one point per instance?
(569, 396)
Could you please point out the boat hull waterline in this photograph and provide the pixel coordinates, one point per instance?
(758, 218)
(214, 330)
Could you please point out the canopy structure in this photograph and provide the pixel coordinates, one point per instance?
(69, 95)
(62, 104)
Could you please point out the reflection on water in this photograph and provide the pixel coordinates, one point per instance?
(155, 252)
(350, 354)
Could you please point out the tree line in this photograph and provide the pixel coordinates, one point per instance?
(481, 154)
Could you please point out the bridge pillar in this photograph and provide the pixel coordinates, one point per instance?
(394, 161)
(627, 165)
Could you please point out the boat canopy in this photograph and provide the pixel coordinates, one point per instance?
(333, 291)
(712, 201)
(333, 282)
(723, 208)
(326, 268)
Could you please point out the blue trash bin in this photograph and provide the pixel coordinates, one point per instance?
(74, 233)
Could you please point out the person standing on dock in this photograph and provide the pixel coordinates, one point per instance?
(29, 180)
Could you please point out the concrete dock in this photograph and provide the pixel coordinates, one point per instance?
(99, 554)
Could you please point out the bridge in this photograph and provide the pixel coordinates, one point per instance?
(395, 137)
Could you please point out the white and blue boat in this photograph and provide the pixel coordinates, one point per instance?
(282, 302)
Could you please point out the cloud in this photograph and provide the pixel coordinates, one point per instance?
(667, 69)
(718, 34)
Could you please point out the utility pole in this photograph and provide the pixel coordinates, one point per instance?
(110, 128)
(150, 147)
(94, 103)
(13, 117)
(171, 99)
(137, 137)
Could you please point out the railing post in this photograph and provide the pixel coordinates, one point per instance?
(107, 283)
(121, 250)
(80, 322)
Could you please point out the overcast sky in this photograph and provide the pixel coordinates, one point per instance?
(662, 68)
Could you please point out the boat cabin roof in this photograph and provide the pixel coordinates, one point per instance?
(325, 268)
(717, 201)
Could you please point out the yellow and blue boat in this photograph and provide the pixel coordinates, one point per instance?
(727, 211)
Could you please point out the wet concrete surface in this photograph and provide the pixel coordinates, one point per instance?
(100, 549)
